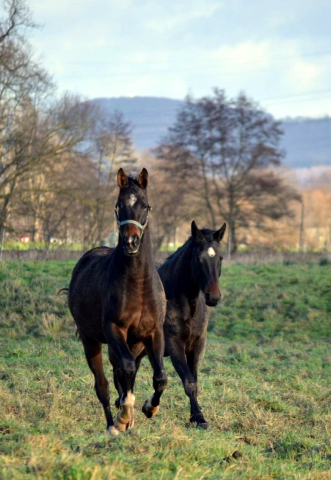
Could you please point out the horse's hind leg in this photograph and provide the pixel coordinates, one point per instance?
(93, 353)
(193, 358)
(154, 345)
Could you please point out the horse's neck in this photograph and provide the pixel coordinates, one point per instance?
(186, 282)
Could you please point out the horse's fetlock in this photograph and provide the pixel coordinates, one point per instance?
(160, 382)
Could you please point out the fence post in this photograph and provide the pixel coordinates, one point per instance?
(229, 239)
(2, 242)
(301, 238)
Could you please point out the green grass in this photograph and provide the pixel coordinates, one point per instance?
(265, 383)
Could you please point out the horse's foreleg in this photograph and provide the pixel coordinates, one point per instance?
(118, 388)
(193, 358)
(139, 357)
(93, 353)
(154, 345)
(176, 349)
(124, 373)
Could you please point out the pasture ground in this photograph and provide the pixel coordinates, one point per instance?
(265, 383)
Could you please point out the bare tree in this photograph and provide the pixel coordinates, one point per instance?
(169, 205)
(224, 148)
(112, 147)
(37, 137)
(23, 84)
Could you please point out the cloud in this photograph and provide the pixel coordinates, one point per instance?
(180, 13)
(303, 76)
(243, 55)
(144, 47)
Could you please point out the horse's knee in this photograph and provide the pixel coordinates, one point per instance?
(128, 367)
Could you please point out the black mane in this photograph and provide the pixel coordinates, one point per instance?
(133, 180)
(207, 233)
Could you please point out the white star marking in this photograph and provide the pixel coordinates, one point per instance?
(132, 199)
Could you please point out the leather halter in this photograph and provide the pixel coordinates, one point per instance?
(125, 222)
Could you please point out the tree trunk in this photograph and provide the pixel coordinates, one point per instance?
(209, 206)
(234, 245)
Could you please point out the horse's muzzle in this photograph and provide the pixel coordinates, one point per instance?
(212, 299)
(131, 244)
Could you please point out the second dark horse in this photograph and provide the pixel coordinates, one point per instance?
(116, 297)
(190, 278)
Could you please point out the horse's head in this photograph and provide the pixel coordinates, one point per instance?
(132, 209)
(207, 261)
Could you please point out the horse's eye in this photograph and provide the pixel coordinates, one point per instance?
(145, 207)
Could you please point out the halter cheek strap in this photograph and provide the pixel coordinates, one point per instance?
(125, 222)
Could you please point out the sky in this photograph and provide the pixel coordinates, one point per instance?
(278, 52)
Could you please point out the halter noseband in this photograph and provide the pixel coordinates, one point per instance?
(125, 222)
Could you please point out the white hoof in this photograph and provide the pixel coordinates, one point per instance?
(125, 417)
(113, 432)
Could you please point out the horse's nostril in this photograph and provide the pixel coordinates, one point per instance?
(131, 243)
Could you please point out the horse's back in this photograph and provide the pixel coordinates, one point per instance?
(91, 264)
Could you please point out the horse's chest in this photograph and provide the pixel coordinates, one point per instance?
(138, 316)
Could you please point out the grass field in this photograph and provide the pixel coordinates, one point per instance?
(265, 383)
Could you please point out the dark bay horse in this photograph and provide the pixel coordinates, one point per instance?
(116, 297)
(190, 278)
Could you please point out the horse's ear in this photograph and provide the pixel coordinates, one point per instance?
(143, 178)
(196, 234)
(219, 234)
(122, 178)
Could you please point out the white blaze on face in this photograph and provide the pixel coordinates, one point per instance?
(211, 252)
(132, 200)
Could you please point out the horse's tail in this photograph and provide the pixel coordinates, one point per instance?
(63, 291)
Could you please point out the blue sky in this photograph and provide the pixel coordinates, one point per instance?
(278, 52)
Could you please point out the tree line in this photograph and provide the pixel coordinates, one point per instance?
(59, 156)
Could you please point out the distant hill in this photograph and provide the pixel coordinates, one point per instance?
(307, 141)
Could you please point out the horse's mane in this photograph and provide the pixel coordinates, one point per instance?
(181, 249)
(133, 180)
(208, 234)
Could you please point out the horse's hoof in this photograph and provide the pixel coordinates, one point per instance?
(131, 424)
(122, 427)
(203, 425)
(149, 410)
(112, 430)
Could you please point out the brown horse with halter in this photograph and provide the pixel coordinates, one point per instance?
(116, 298)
